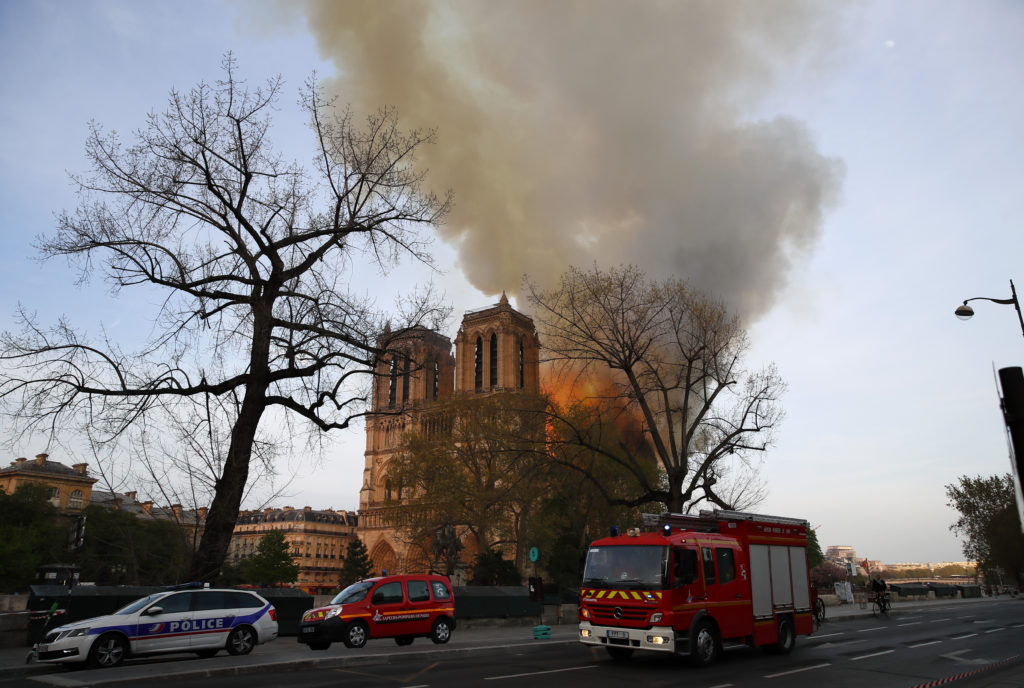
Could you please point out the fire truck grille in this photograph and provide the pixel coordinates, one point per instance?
(623, 614)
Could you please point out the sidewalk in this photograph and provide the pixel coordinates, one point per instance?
(286, 652)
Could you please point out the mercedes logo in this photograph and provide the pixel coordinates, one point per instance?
(617, 612)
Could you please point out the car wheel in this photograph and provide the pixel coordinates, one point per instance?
(206, 654)
(404, 640)
(620, 654)
(109, 650)
(356, 635)
(441, 633)
(319, 646)
(704, 645)
(241, 641)
(787, 637)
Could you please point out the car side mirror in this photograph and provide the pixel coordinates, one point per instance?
(153, 611)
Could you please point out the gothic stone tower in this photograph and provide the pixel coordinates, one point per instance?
(496, 350)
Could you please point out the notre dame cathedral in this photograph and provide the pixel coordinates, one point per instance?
(496, 350)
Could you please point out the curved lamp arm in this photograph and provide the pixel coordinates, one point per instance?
(965, 312)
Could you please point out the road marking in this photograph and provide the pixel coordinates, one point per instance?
(933, 642)
(912, 623)
(827, 635)
(961, 637)
(797, 671)
(722, 685)
(938, 620)
(539, 673)
(995, 630)
(910, 618)
(873, 654)
(1017, 626)
(876, 628)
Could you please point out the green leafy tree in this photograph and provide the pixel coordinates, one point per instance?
(356, 565)
(272, 564)
(122, 549)
(989, 525)
(489, 568)
(814, 555)
(31, 533)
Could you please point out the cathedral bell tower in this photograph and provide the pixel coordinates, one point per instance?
(497, 350)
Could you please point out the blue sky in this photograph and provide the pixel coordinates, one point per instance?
(916, 104)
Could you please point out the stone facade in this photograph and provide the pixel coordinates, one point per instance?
(70, 487)
(496, 350)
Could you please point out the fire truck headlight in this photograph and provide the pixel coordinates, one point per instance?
(656, 617)
(658, 640)
(584, 632)
(584, 613)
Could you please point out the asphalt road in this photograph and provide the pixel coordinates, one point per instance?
(971, 645)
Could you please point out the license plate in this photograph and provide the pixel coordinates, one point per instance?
(309, 629)
(622, 635)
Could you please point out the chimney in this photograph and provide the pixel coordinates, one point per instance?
(202, 511)
(41, 459)
(307, 508)
(131, 495)
(117, 502)
(288, 508)
(176, 508)
(147, 507)
(80, 468)
(20, 461)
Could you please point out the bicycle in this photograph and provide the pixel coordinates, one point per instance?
(819, 612)
(881, 604)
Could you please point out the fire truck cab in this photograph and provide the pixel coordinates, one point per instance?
(697, 583)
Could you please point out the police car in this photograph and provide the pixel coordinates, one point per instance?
(202, 621)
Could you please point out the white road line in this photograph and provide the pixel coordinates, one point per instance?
(797, 671)
(539, 673)
(911, 618)
(938, 620)
(876, 628)
(827, 635)
(961, 637)
(995, 630)
(933, 642)
(873, 654)
(722, 685)
(912, 623)
(1017, 626)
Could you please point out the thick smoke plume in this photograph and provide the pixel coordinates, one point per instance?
(601, 131)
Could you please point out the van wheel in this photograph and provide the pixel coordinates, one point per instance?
(404, 640)
(356, 635)
(704, 645)
(241, 641)
(620, 654)
(441, 633)
(109, 650)
(787, 637)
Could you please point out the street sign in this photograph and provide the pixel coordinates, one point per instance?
(534, 554)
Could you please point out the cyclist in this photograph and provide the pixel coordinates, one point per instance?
(878, 588)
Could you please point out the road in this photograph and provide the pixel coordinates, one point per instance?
(977, 645)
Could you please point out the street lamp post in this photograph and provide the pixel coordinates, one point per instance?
(965, 312)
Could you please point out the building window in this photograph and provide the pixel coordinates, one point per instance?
(75, 500)
(522, 364)
(437, 379)
(405, 379)
(479, 365)
(387, 490)
(494, 360)
(55, 496)
(393, 382)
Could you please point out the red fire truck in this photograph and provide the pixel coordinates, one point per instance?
(696, 584)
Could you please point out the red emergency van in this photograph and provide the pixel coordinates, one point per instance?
(696, 584)
(402, 607)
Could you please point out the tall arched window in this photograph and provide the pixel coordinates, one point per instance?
(478, 362)
(387, 490)
(522, 364)
(436, 379)
(393, 382)
(494, 361)
(405, 379)
(55, 496)
(75, 500)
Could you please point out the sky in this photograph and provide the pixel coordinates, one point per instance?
(841, 175)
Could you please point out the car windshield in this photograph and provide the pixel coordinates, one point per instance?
(353, 593)
(637, 567)
(139, 604)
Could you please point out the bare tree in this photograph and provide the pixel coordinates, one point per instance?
(673, 358)
(250, 253)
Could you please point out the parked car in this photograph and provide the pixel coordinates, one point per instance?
(203, 621)
(402, 607)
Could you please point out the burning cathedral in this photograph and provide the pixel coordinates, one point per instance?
(496, 351)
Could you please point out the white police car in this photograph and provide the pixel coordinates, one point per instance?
(201, 621)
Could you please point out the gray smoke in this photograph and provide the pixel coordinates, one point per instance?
(607, 131)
